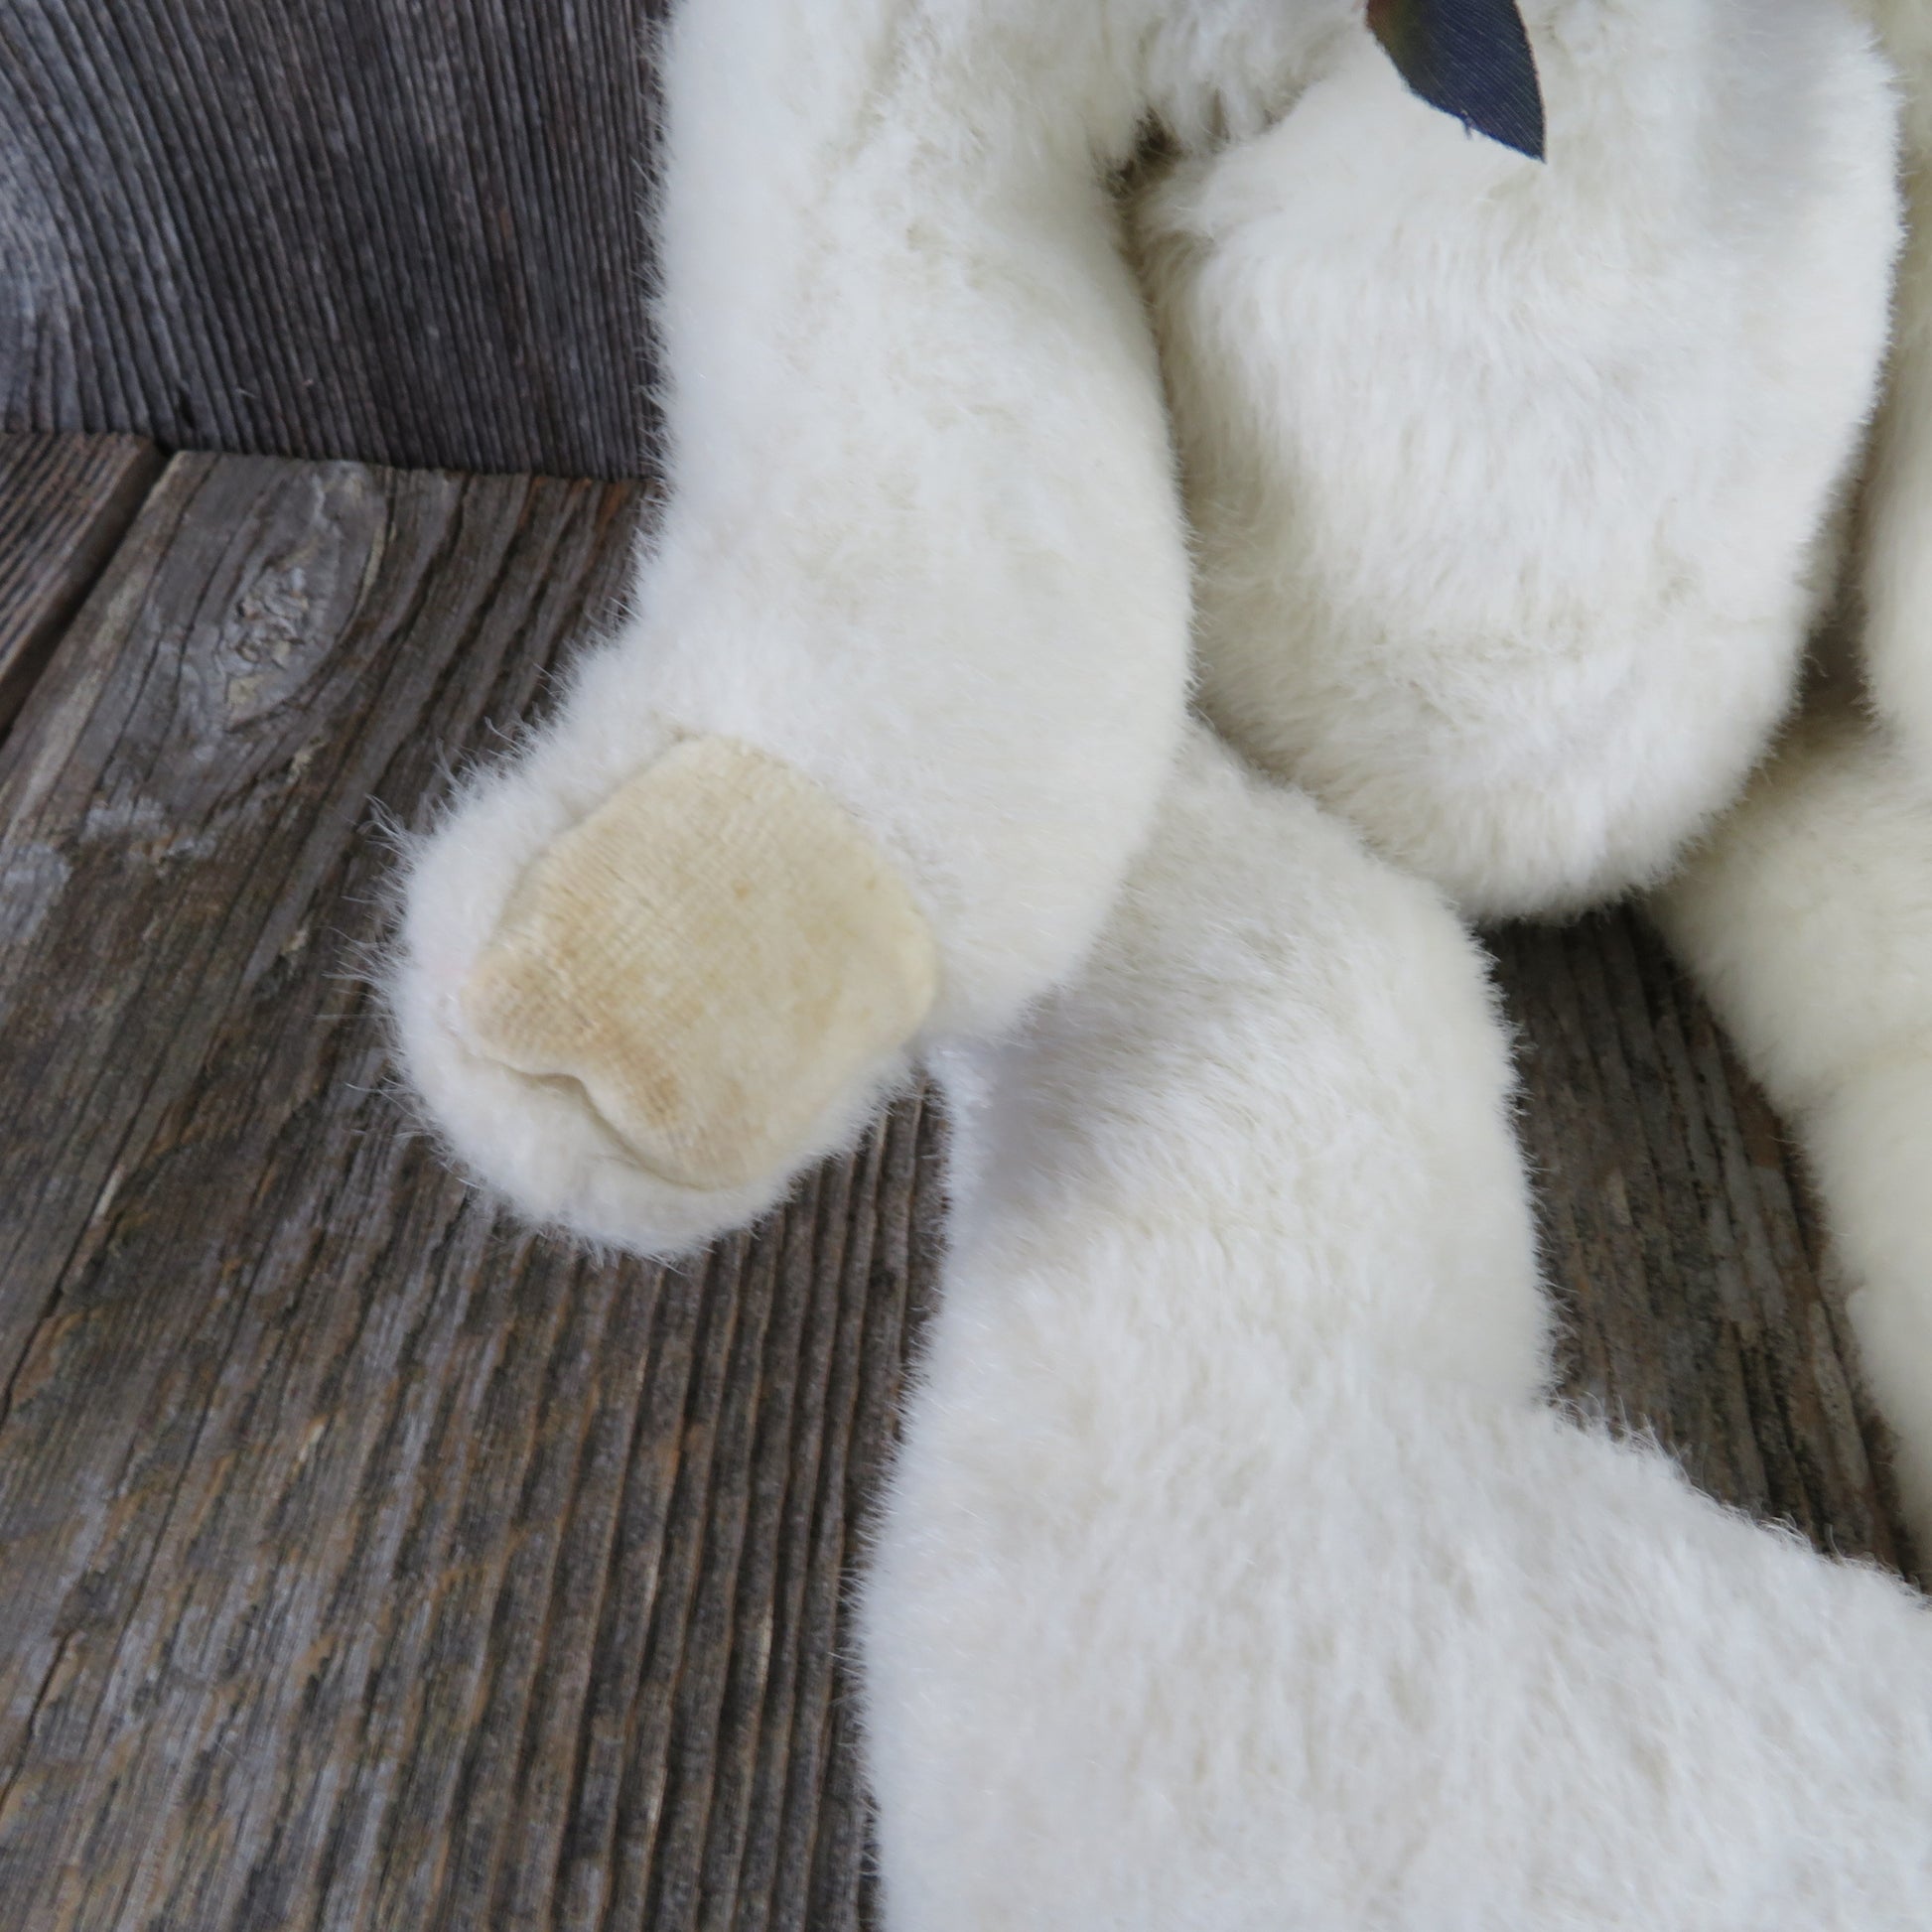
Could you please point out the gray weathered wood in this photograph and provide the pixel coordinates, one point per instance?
(360, 228)
(1676, 1233)
(370, 1563)
(64, 501)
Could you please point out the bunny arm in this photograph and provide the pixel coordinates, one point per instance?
(922, 558)
(1234, 1578)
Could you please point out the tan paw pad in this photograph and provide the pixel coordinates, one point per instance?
(713, 956)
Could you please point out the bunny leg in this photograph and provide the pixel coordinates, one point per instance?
(1233, 1575)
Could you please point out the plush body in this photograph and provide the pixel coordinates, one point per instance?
(1235, 1576)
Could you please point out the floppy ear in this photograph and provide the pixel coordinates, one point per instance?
(1895, 563)
(1471, 58)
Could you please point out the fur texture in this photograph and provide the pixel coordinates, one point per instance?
(924, 543)
(1895, 574)
(1509, 478)
(1234, 1578)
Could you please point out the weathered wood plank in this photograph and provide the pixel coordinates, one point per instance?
(64, 501)
(409, 234)
(367, 1562)
(1676, 1234)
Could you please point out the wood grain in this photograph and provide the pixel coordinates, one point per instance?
(65, 502)
(406, 233)
(367, 1562)
(1679, 1241)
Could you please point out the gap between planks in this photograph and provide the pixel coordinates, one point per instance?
(65, 501)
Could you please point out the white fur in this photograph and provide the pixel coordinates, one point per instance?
(1808, 915)
(1233, 1576)
(1896, 576)
(1808, 918)
(923, 542)
(1508, 476)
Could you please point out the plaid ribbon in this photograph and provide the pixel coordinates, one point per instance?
(1469, 58)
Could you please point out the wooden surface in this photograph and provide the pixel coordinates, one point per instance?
(64, 501)
(371, 1564)
(1679, 1241)
(406, 233)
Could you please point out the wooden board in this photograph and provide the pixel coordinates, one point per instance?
(406, 233)
(64, 501)
(370, 1563)
(1679, 1241)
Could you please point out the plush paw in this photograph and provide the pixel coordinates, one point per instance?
(710, 956)
(643, 1019)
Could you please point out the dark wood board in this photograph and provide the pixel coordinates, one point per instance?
(1679, 1240)
(406, 233)
(64, 501)
(368, 1562)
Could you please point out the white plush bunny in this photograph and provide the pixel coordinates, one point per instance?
(1029, 367)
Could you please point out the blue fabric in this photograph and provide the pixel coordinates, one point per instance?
(1471, 58)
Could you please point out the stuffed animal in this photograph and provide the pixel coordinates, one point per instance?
(1030, 373)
